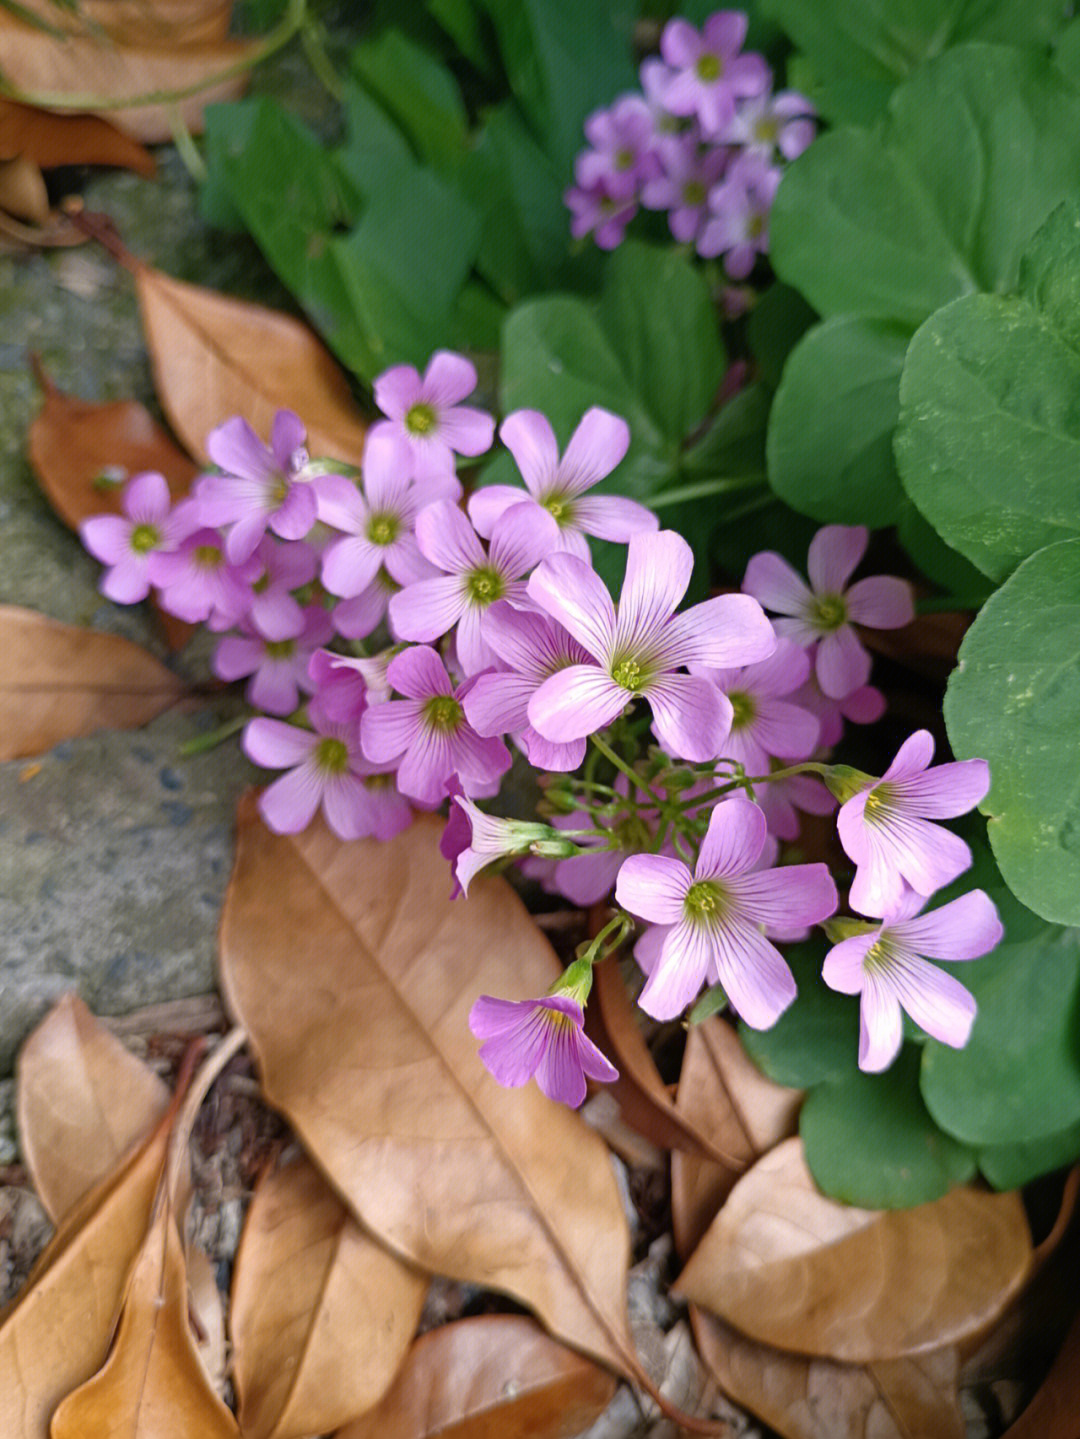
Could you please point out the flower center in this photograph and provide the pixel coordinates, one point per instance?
(420, 419)
(279, 649)
(627, 673)
(208, 557)
(744, 708)
(878, 957)
(878, 803)
(755, 226)
(261, 585)
(382, 529)
(709, 67)
(766, 130)
(624, 159)
(485, 586)
(332, 755)
(144, 538)
(558, 507)
(704, 900)
(694, 193)
(443, 713)
(831, 612)
(279, 491)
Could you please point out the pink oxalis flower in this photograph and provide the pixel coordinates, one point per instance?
(261, 488)
(886, 967)
(707, 72)
(764, 724)
(823, 612)
(714, 918)
(425, 411)
(886, 828)
(131, 543)
(638, 651)
(542, 1039)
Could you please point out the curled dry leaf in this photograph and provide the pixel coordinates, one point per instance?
(723, 1094)
(82, 1102)
(214, 356)
(73, 443)
(496, 1377)
(22, 190)
(58, 1331)
(791, 1268)
(49, 139)
(83, 68)
(801, 1398)
(59, 681)
(207, 1315)
(354, 973)
(153, 1385)
(642, 1095)
(321, 1314)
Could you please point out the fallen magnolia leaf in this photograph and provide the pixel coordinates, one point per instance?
(58, 682)
(642, 1095)
(50, 139)
(354, 973)
(495, 1377)
(912, 1398)
(78, 69)
(153, 1384)
(139, 22)
(207, 1315)
(74, 443)
(723, 1093)
(82, 1102)
(58, 1330)
(789, 1267)
(22, 190)
(321, 1314)
(214, 356)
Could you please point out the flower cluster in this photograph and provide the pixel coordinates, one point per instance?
(705, 142)
(399, 643)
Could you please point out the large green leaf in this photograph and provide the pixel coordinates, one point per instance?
(859, 50)
(888, 225)
(1018, 1076)
(989, 438)
(870, 1141)
(817, 1038)
(417, 90)
(1015, 700)
(1008, 1166)
(834, 461)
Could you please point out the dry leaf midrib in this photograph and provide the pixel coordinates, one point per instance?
(569, 1263)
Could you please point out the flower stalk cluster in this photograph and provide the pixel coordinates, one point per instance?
(399, 643)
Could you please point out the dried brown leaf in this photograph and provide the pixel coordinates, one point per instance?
(321, 1314)
(58, 1331)
(724, 1094)
(50, 139)
(207, 1315)
(153, 1385)
(496, 1377)
(73, 442)
(215, 356)
(22, 190)
(817, 1399)
(139, 22)
(791, 1268)
(38, 64)
(642, 1095)
(354, 973)
(59, 681)
(82, 1101)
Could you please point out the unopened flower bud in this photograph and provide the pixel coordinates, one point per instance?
(845, 782)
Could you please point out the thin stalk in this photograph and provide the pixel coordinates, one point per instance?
(703, 489)
(620, 764)
(203, 742)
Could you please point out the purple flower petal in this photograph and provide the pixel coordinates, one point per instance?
(613, 517)
(287, 435)
(574, 594)
(545, 754)
(912, 757)
(387, 466)
(680, 972)
(753, 973)
(468, 431)
(276, 615)
(520, 538)
(528, 435)
(965, 928)
(235, 448)
(843, 967)
(785, 730)
(776, 585)
(935, 1000)
(128, 581)
(489, 502)
(498, 704)
(653, 887)
(658, 569)
(107, 537)
(295, 516)
(387, 730)
(418, 673)
(273, 687)
(834, 553)
(425, 770)
(396, 389)
(447, 539)
(448, 378)
(881, 1030)
(347, 806)
(340, 504)
(841, 663)
(427, 609)
(356, 618)
(882, 602)
(947, 790)
(576, 702)
(236, 656)
(726, 632)
(349, 565)
(733, 840)
(789, 898)
(289, 804)
(595, 448)
(691, 716)
(146, 498)
(276, 745)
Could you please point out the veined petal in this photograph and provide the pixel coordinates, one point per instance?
(558, 1073)
(935, 1000)
(347, 806)
(881, 1030)
(480, 760)
(595, 448)
(785, 730)
(356, 618)
(387, 730)
(574, 594)
(928, 856)
(754, 974)
(726, 632)
(396, 389)
(349, 565)
(658, 569)
(235, 448)
(878, 885)
(447, 539)
(680, 971)
(781, 673)
(834, 553)
(277, 745)
(418, 673)
(498, 704)
(776, 585)
(653, 887)
(546, 754)
(912, 757)
(424, 771)
(843, 967)
(489, 502)
(945, 791)
(468, 431)
(613, 517)
(785, 899)
(528, 435)
(521, 537)
(427, 609)
(449, 377)
(146, 498)
(965, 928)
(340, 504)
(289, 804)
(386, 469)
(287, 435)
(527, 641)
(295, 516)
(576, 702)
(841, 663)
(733, 840)
(882, 602)
(690, 715)
(473, 652)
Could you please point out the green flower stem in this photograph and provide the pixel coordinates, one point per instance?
(312, 38)
(747, 781)
(203, 742)
(186, 147)
(620, 764)
(596, 950)
(290, 23)
(703, 489)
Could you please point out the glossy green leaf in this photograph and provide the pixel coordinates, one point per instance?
(776, 324)
(859, 50)
(1015, 700)
(817, 1038)
(870, 1141)
(989, 439)
(1008, 1166)
(833, 460)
